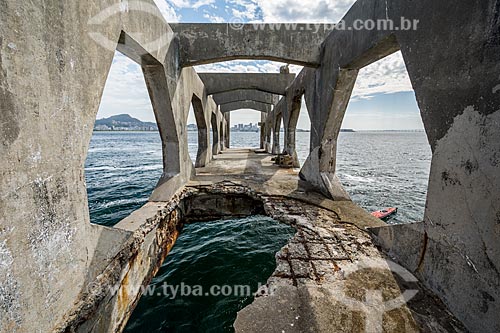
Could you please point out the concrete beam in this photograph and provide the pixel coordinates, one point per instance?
(262, 107)
(274, 83)
(208, 43)
(245, 95)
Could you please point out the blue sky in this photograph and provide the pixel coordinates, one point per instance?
(382, 98)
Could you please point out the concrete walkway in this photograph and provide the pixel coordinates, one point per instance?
(330, 277)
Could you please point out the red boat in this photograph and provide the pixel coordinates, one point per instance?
(382, 214)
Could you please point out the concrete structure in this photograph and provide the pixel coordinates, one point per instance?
(57, 268)
(245, 95)
(216, 83)
(257, 106)
(202, 44)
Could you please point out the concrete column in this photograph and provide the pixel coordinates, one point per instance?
(268, 144)
(228, 129)
(262, 130)
(222, 132)
(203, 154)
(215, 135)
(276, 135)
(290, 119)
(319, 168)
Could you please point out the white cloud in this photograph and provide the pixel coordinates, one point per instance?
(191, 4)
(168, 11)
(213, 18)
(330, 11)
(244, 9)
(125, 91)
(385, 76)
(246, 66)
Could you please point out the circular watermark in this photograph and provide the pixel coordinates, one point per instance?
(236, 23)
(106, 14)
(374, 305)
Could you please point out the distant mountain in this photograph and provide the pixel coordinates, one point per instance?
(123, 122)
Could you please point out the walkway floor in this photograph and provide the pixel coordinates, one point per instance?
(330, 277)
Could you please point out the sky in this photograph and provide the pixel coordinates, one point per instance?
(382, 98)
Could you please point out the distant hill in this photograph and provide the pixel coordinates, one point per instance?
(123, 122)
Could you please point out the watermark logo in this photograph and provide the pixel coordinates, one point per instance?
(173, 291)
(236, 23)
(404, 24)
(375, 303)
(98, 22)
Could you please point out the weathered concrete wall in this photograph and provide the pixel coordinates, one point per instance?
(52, 75)
(217, 83)
(207, 43)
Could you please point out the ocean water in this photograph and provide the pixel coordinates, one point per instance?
(378, 169)
(233, 255)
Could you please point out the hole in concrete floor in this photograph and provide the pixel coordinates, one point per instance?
(124, 160)
(234, 255)
(386, 161)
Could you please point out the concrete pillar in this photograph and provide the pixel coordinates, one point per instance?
(268, 143)
(290, 119)
(222, 132)
(276, 135)
(262, 126)
(228, 129)
(215, 135)
(203, 154)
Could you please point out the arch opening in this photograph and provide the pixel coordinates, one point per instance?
(125, 158)
(298, 131)
(244, 128)
(383, 155)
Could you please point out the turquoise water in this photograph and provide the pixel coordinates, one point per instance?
(232, 254)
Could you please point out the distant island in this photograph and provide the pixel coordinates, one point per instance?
(123, 122)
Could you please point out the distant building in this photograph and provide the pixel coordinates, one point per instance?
(246, 128)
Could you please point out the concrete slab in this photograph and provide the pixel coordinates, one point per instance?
(207, 43)
(253, 105)
(273, 83)
(245, 95)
